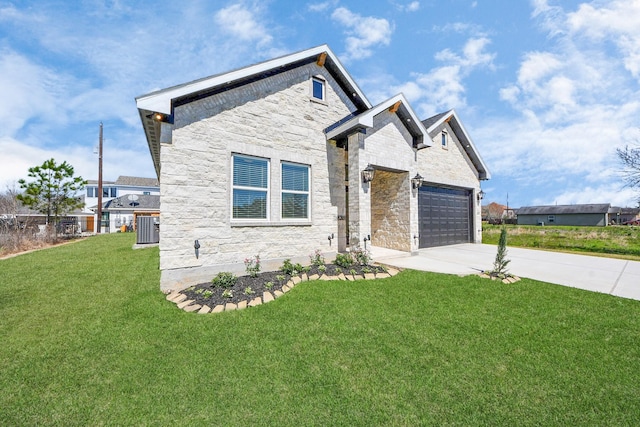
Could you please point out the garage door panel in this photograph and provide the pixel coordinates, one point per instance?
(444, 216)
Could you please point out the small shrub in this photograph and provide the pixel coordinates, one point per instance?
(207, 294)
(322, 268)
(224, 279)
(366, 270)
(252, 266)
(228, 293)
(268, 285)
(361, 256)
(353, 272)
(280, 278)
(287, 267)
(317, 258)
(343, 260)
(290, 268)
(248, 291)
(338, 270)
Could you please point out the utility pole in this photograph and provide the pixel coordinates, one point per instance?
(100, 181)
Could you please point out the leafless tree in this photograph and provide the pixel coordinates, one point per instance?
(630, 159)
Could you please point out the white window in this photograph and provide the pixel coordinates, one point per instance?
(444, 139)
(250, 187)
(318, 88)
(295, 191)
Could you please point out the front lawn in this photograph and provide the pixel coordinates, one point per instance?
(87, 339)
(618, 241)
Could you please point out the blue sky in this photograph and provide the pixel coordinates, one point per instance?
(547, 89)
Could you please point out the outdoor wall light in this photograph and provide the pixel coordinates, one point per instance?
(367, 174)
(416, 181)
(480, 195)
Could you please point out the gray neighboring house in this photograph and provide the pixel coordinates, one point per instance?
(580, 215)
(288, 156)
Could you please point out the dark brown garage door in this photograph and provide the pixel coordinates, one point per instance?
(444, 216)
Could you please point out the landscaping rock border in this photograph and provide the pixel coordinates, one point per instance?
(181, 301)
(508, 279)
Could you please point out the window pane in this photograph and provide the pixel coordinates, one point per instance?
(318, 89)
(114, 192)
(295, 205)
(295, 177)
(249, 172)
(249, 204)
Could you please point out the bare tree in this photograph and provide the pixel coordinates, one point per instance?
(630, 159)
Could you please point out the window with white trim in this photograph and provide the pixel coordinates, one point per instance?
(318, 88)
(295, 191)
(444, 138)
(250, 187)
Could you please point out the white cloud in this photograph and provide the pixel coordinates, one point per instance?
(442, 88)
(618, 21)
(240, 22)
(363, 32)
(413, 6)
(29, 92)
(321, 7)
(576, 105)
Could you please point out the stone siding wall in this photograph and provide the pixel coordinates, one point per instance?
(273, 118)
(390, 214)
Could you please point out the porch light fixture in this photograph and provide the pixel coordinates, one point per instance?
(416, 181)
(367, 174)
(480, 195)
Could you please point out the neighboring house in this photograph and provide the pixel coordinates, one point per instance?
(581, 215)
(288, 156)
(495, 213)
(124, 210)
(626, 215)
(124, 185)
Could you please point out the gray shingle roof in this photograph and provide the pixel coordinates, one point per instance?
(137, 181)
(597, 208)
(431, 120)
(146, 202)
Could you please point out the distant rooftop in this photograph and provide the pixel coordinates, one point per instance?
(130, 181)
(595, 208)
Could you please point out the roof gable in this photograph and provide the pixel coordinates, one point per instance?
(451, 117)
(156, 108)
(397, 104)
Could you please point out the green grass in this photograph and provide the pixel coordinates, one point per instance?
(87, 339)
(620, 241)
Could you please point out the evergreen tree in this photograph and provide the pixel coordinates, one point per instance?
(53, 191)
(501, 262)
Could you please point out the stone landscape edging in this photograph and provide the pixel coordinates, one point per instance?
(189, 306)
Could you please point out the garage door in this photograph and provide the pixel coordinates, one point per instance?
(444, 215)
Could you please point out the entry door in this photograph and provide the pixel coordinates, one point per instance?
(444, 215)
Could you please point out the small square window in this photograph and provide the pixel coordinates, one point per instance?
(317, 88)
(551, 218)
(444, 139)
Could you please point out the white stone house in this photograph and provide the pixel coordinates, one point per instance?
(271, 160)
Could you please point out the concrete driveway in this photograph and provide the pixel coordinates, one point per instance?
(607, 275)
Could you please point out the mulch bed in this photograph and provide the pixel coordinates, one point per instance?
(247, 288)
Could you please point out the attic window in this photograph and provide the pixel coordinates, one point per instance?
(318, 91)
(444, 139)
